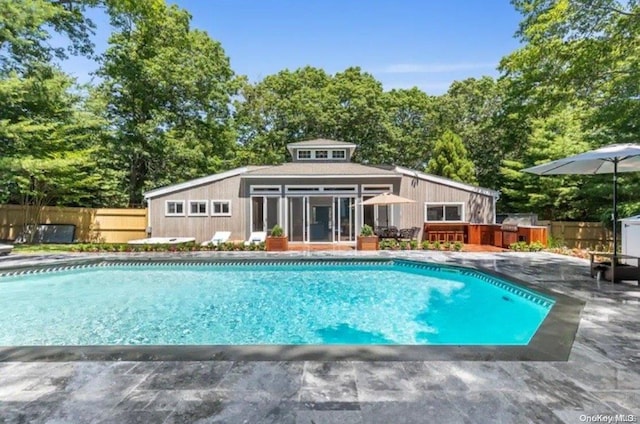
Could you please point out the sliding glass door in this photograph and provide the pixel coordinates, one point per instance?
(264, 213)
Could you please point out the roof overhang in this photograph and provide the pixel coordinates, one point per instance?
(299, 176)
(194, 183)
(447, 182)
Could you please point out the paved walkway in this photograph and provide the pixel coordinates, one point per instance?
(601, 377)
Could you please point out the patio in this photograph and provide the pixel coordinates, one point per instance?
(601, 377)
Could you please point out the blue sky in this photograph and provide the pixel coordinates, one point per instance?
(423, 43)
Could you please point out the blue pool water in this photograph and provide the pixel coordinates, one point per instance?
(262, 304)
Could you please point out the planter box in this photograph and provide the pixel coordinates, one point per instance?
(277, 244)
(368, 243)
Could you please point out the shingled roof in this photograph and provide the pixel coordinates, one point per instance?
(320, 169)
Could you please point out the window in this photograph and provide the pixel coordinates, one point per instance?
(174, 208)
(266, 189)
(221, 208)
(322, 154)
(304, 154)
(198, 208)
(338, 154)
(444, 212)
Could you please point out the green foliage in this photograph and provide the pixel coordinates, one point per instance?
(27, 28)
(473, 109)
(49, 154)
(449, 159)
(277, 231)
(389, 244)
(366, 231)
(166, 90)
(123, 247)
(457, 246)
(522, 246)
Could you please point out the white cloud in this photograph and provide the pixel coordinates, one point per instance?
(435, 68)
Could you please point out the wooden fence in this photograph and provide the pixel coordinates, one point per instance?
(583, 235)
(92, 225)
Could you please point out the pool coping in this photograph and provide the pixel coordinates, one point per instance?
(552, 341)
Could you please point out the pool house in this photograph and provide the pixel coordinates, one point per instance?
(316, 198)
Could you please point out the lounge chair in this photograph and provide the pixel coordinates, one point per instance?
(5, 249)
(256, 237)
(218, 237)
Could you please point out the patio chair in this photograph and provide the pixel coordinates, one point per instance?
(405, 234)
(5, 249)
(256, 237)
(218, 237)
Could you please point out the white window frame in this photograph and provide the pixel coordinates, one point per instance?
(375, 188)
(206, 208)
(343, 151)
(213, 207)
(311, 154)
(315, 154)
(443, 204)
(319, 189)
(265, 189)
(166, 208)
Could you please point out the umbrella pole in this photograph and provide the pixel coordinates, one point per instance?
(615, 220)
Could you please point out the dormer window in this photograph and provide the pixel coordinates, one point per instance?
(322, 154)
(304, 154)
(338, 154)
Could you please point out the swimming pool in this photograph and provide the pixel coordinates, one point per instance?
(385, 302)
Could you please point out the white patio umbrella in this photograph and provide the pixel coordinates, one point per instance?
(611, 159)
(387, 199)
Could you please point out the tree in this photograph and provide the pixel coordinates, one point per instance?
(449, 159)
(582, 56)
(27, 27)
(167, 90)
(411, 125)
(473, 109)
(48, 149)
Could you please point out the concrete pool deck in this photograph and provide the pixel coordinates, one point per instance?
(602, 375)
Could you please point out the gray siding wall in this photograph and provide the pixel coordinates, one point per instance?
(478, 207)
(202, 227)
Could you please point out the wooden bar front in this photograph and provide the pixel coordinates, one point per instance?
(482, 234)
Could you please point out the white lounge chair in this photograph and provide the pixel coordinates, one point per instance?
(5, 249)
(218, 237)
(163, 240)
(256, 237)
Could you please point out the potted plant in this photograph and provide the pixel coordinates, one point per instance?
(367, 240)
(277, 241)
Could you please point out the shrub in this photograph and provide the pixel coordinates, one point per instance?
(536, 246)
(447, 245)
(277, 231)
(366, 231)
(404, 245)
(457, 246)
(413, 244)
(389, 244)
(436, 245)
(426, 245)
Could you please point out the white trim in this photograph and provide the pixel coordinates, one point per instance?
(255, 189)
(321, 189)
(206, 208)
(198, 181)
(325, 176)
(443, 204)
(447, 182)
(366, 188)
(213, 208)
(166, 208)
